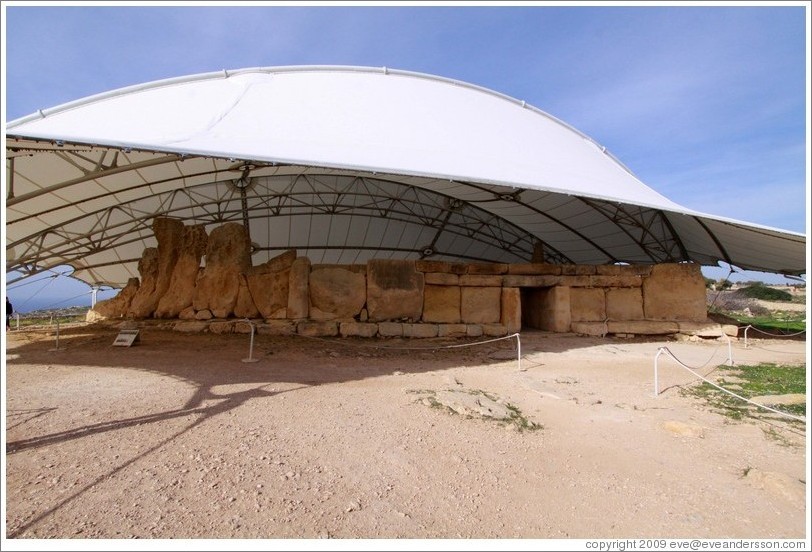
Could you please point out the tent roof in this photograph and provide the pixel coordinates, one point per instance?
(343, 164)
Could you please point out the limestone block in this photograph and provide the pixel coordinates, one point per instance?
(442, 279)
(190, 326)
(356, 268)
(588, 304)
(318, 314)
(477, 280)
(394, 290)
(277, 327)
(441, 304)
(358, 329)
(481, 305)
(452, 330)
(390, 329)
(578, 270)
(116, 307)
(148, 271)
(242, 327)
(317, 329)
(540, 269)
(221, 327)
(474, 330)
(187, 314)
(338, 291)
(432, 266)
(420, 330)
(576, 280)
(616, 281)
(547, 309)
(228, 254)
(268, 284)
(486, 268)
(511, 309)
(204, 314)
(245, 306)
(623, 270)
(441, 266)
(180, 292)
(675, 292)
(279, 314)
(643, 327)
(596, 329)
(494, 330)
(530, 280)
(299, 289)
(709, 328)
(624, 304)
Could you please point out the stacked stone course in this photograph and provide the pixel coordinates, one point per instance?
(397, 298)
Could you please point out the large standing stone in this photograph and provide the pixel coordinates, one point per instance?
(228, 255)
(245, 306)
(675, 292)
(299, 289)
(269, 282)
(587, 304)
(169, 234)
(115, 307)
(511, 316)
(394, 290)
(481, 305)
(337, 291)
(181, 288)
(441, 304)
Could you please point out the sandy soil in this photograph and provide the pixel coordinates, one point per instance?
(175, 437)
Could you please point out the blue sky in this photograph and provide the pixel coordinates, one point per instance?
(707, 105)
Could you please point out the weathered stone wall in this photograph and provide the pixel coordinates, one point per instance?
(398, 298)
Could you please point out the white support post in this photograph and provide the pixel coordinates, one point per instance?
(251, 346)
(519, 351)
(656, 372)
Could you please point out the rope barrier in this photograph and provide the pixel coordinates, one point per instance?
(667, 351)
(364, 346)
(750, 326)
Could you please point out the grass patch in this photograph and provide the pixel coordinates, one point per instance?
(753, 381)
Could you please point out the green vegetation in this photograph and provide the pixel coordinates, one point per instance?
(758, 290)
(790, 322)
(755, 381)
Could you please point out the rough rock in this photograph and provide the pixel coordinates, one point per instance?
(228, 255)
(394, 290)
(156, 267)
(337, 291)
(269, 283)
(115, 307)
(181, 289)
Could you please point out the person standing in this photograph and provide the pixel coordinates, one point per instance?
(9, 311)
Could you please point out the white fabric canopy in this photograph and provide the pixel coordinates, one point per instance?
(343, 164)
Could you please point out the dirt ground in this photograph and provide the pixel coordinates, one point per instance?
(176, 437)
